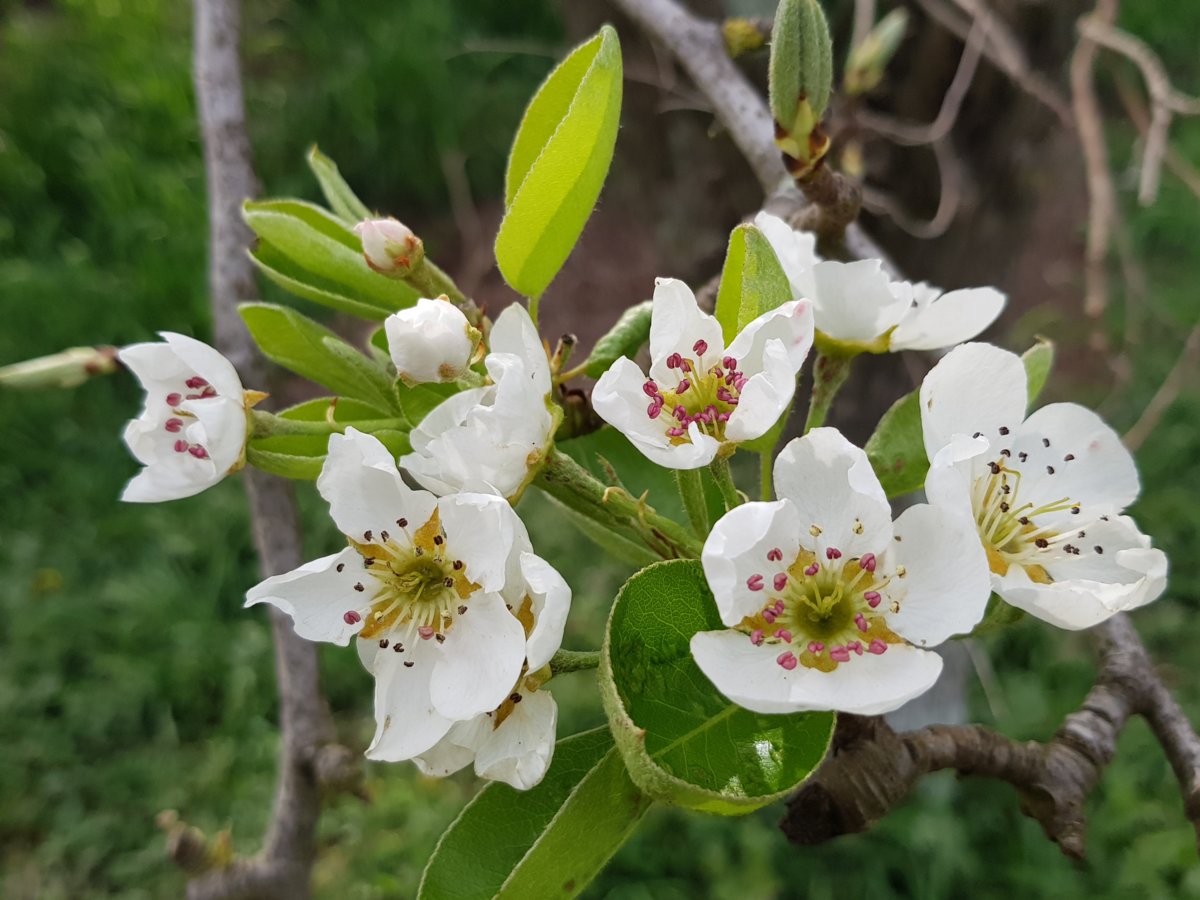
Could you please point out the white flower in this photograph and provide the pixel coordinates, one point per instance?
(515, 742)
(192, 432)
(1044, 492)
(490, 438)
(389, 246)
(857, 304)
(829, 602)
(430, 342)
(795, 250)
(445, 599)
(701, 394)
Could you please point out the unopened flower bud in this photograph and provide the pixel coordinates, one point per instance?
(389, 246)
(800, 77)
(67, 369)
(430, 342)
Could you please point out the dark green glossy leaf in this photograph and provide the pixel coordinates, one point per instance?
(682, 740)
(624, 339)
(549, 841)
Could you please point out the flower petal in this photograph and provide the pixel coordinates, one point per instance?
(222, 430)
(364, 490)
(316, 596)
(853, 301)
(551, 596)
(795, 250)
(676, 324)
(950, 319)
(480, 530)
(791, 323)
(947, 582)
(837, 495)
(456, 750)
(867, 685)
(515, 333)
(480, 660)
(519, 750)
(736, 550)
(207, 363)
(976, 388)
(406, 722)
(765, 396)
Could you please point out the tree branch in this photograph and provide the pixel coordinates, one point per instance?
(307, 755)
(872, 768)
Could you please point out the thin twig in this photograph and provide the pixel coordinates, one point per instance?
(1175, 381)
(949, 198)
(864, 21)
(1136, 110)
(306, 750)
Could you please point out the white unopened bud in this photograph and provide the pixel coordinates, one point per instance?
(67, 369)
(430, 342)
(389, 246)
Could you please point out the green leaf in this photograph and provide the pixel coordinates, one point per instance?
(558, 163)
(417, 401)
(345, 410)
(752, 281)
(1039, 360)
(299, 344)
(682, 740)
(322, 245)
(614, 543)
(623, 339)
(897, 448)
(301, 456)
(549, 841)
(342, 200)
(285, 273)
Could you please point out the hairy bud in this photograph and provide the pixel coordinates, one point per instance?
(801, 77)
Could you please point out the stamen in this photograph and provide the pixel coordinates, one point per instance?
(174, 399)
(350, 617)
(756, 637)
(781, 581)
(700, 347)
(775, 554)
(872, 598)
(787, 660)
(755, 582)
(867, 562)
(833, 553)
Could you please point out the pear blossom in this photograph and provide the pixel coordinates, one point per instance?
(430, 342)
(702, 394)
(857, 304)
(830, 604)
(491, 438)
(192, 431)
(1045, 493)
(389, 246)
(444, 598)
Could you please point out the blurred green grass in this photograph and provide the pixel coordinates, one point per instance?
(130, 679)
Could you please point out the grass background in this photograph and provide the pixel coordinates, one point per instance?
(131, 680)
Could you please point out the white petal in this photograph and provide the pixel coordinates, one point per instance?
(223, 430)
(207, 363)
(947, 584)
(158, 368)
(316, 596)
(676, 324)
(835, 492)
(1102, 472)
(364, 490)
(853, 301)
(429, 342)
(480, 660)
(457, 749)
(406, 722)
(479, 531)
(519, 751)
(791, 323)
(154, 485)
(737, 548)
(514, 333)
(551, 596)
(951, 474)
(795, 250)
(975, 388)
(954, 317)
(867, 685)
(764, 397)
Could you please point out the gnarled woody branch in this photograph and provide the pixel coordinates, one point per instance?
(872, 767)
(309, 760)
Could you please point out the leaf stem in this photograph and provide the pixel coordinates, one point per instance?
(534, 302)
(691, 492)
(431, 281)
(574, 661)
(829, 374)
(724, 478)
(764, 474)
(265, 424)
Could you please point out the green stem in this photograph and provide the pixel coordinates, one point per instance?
(614, 507)
(724, 479)
(534, 302)
(764, 474)
(691, 492)
(829, 374)
(574, 661)
(431, 281)
(563, 377)
(267, 424)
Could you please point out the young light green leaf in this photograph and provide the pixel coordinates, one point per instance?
(752, 281)
(340, 409)
(322, 245)
(897, 448)
(549, 841)
(299, 344)
(1039, 360)
(301, 456)
(560, 158)
(801, 65)
(281, 270)
(682, 740)
(623, 339)
(342, 200)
